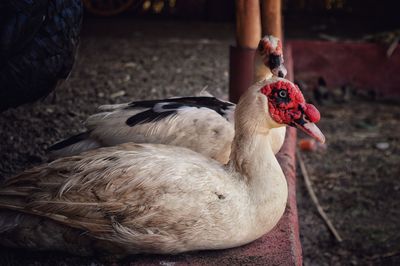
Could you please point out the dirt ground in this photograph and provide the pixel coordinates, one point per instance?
(119, 60)
(357, 182)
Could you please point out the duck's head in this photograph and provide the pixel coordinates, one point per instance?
(286, 105)
(270, 48)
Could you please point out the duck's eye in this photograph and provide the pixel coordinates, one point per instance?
(282, 93)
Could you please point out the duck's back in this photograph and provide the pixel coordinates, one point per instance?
(202, 124)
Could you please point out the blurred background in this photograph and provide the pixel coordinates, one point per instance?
(352, 18)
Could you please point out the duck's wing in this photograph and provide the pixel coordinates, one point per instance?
(155, 110)
(121, 194)
(185, 121)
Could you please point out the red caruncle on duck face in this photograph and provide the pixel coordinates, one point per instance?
(287, 106)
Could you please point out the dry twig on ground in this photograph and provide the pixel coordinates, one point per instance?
(315, 200)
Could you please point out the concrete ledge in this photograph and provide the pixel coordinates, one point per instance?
(361, 65)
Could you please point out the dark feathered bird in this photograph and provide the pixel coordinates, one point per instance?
(38, 41)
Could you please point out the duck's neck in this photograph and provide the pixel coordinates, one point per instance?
(252, 156)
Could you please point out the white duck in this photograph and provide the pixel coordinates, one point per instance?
(152, 198)
(204, 124)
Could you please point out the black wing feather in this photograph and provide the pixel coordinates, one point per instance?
(69, 141)
(172, 106)
(147, 117)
